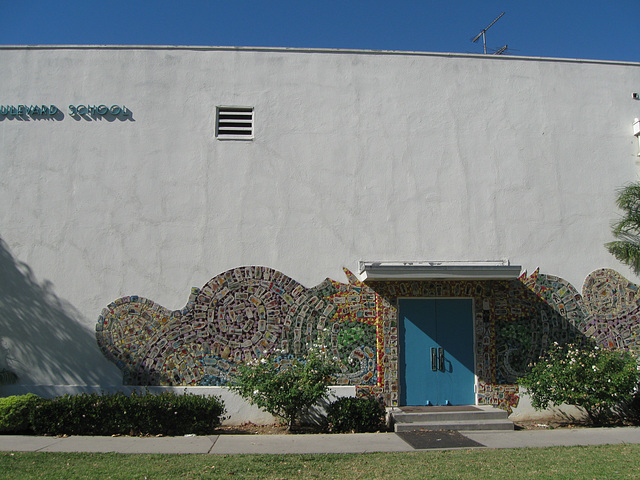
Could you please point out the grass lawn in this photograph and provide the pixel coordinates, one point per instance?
(601, 462)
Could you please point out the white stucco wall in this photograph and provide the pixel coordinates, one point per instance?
(356, 156)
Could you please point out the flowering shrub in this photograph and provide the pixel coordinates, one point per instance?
(283, 385)
(595, 379)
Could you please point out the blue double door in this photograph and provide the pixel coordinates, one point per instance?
(436, 351)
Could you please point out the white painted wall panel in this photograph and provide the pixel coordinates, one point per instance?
(356, 156)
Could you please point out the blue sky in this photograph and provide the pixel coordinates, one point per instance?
(549, 28)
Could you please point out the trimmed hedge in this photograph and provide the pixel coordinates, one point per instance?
(356, 414)
(14, 413)
(118, 414)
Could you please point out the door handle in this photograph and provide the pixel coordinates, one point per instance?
(434, 359)
(441, 358)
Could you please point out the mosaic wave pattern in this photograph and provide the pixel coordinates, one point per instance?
(238, 316)
(608, 309)
(248, 312)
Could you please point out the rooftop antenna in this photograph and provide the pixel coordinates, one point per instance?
(501, 50)
(481, 34)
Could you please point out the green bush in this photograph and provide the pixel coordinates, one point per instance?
(138, 414)
(173, 414)
(356, 414)
(598, 380)
(630, 411)
(14, 413)
(285, 386)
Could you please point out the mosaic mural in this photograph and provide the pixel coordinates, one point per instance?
(252, 311)
(608, 310)
(240, 315)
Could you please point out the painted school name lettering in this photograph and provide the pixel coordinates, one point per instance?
(93, 110)
(74, 110)
(31, 110)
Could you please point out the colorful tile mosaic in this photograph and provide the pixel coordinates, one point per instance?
(252, 311)
(608, 309)
(240, 315)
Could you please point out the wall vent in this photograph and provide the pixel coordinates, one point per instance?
(234, 123)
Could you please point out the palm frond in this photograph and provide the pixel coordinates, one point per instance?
(629, 199)
(627, 230)
(626, 252)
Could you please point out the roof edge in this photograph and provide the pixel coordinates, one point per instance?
(317, 50)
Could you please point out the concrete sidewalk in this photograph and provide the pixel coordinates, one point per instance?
(312, 443)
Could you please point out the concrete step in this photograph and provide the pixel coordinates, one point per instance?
(456, 425)
(447, 416)
(453, 418)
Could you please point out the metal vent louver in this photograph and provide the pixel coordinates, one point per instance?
(235, 123)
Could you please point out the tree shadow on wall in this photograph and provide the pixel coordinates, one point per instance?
(43, 342)
(525, 327)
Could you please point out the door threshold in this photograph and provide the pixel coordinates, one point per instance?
(438, 408)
